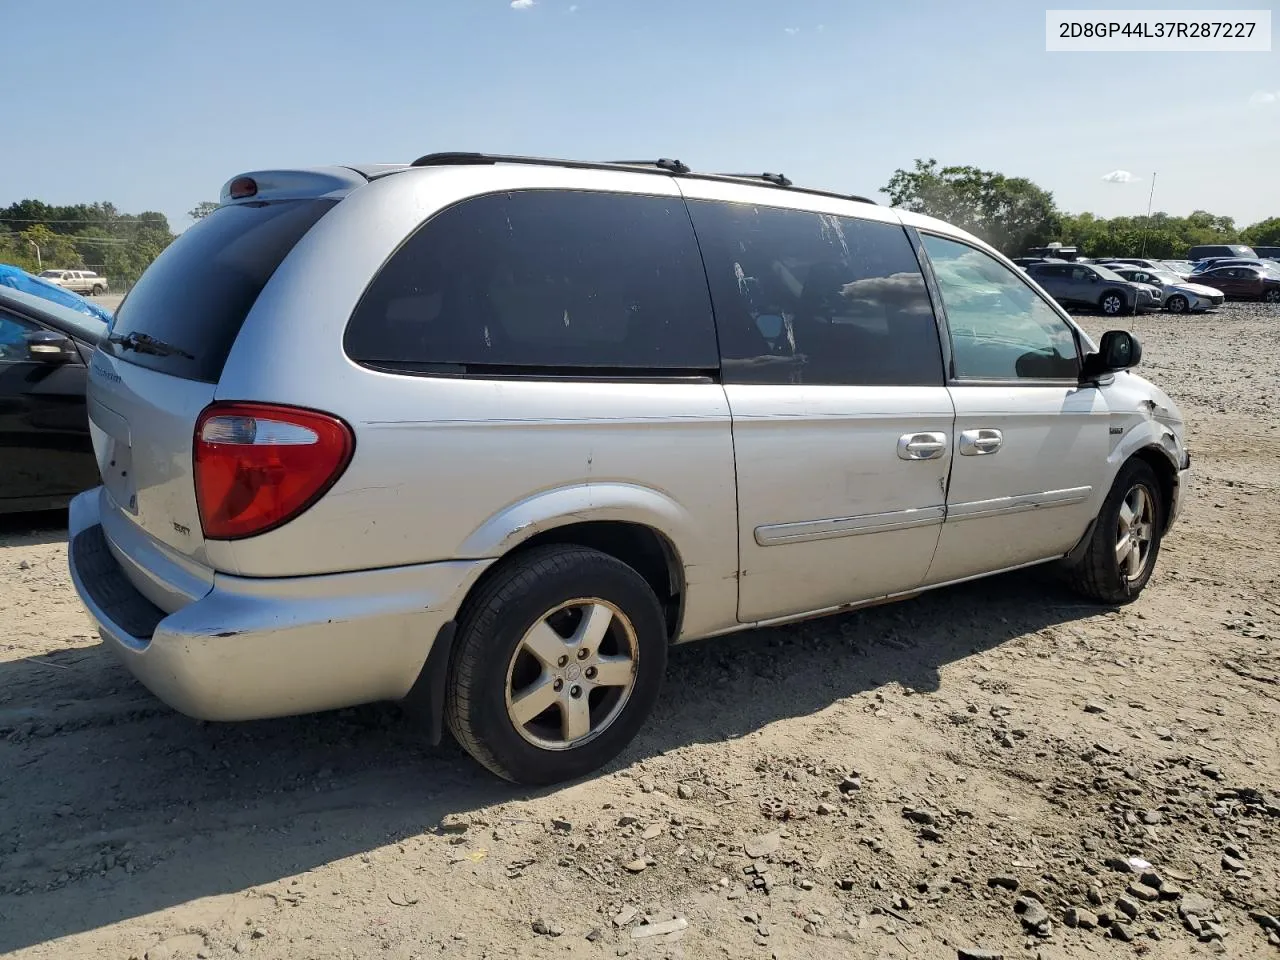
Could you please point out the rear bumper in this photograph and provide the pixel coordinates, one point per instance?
(253, 648)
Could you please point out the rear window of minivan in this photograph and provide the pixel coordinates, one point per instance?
(194, 298)
(543, 283)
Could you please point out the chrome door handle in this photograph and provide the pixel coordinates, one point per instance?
(979, 443)
(922, 446)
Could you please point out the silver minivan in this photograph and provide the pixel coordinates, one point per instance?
(486, 435)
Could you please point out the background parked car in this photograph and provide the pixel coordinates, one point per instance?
(1133, 262)
(1093, 285)
(1267, 253)
(15, 278)
(1181, 268)
(44, 427)
(1243, 283)
(77, 281)
(1220, 250)
(1212, 262)
(1179, 296)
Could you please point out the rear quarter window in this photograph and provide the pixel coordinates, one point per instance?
(542, 282)
(197, 293)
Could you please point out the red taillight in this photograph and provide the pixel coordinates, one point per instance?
(242, 187)
(258, 465)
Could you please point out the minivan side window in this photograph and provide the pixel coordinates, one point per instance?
(542, 282)
(1001, 329)
(810, 298)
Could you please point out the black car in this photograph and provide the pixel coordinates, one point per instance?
(46, 456)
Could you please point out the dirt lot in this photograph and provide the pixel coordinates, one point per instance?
(870, 786)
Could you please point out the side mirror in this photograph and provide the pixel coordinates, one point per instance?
(45, 346)
(1118, 350)
(1093, 278)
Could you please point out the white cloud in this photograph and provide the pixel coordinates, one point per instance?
(1265, 96)
(792, 30)
(1121, 176)
(521, 4)
(573, 8)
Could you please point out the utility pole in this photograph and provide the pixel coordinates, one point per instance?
(1147, 226)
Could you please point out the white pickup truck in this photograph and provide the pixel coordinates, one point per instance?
(77, 281)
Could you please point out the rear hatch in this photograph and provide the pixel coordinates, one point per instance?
(160, 366)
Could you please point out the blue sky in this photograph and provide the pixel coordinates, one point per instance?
(153, 104)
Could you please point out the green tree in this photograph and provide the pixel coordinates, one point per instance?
(202, 209)
(49, 249)
(1010, 213)
(1264, 233)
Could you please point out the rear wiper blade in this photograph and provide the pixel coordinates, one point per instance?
(145, 343)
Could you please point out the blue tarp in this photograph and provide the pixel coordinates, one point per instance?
(19, 279)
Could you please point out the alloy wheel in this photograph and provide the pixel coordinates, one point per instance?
(1135, 533)
(571, 674)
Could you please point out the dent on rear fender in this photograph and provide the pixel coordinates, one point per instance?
(619, 502)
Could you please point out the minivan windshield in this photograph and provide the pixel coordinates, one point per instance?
(197, 293)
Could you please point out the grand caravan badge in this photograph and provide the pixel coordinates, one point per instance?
(100, 369)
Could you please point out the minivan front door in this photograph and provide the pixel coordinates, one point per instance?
(841, 420)
(1031, 442)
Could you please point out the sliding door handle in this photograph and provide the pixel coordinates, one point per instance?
(922, 446)
(979, 443)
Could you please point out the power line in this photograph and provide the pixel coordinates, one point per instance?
(101, 223)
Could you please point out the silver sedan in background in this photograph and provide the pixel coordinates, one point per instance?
(1179, 295)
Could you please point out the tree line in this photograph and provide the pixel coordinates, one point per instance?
(1010, 213)
(35, 235)
(1013, 214)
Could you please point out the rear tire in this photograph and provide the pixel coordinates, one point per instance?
(1177, 304)
(540, 689)
(1125, 541)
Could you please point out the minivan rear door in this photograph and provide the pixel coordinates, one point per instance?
(160, 366)
(841, 418)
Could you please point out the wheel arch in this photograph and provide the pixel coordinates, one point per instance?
(637, 525)
(1166, 471)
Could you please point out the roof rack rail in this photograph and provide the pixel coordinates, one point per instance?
(782, 180)
(777, 179)
(663, 165)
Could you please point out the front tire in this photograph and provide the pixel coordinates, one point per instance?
(1177, 304)
(1111, 304)
(97, 291)
(558, 662)
(1126, 539)
(1272, 296)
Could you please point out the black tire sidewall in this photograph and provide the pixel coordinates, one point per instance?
(1102, 304)
(1134, 472)
(587, 573)
(1178, 298)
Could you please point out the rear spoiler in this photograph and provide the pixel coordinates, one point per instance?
(304, 184)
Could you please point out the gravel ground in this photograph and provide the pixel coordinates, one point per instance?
(996, 766)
